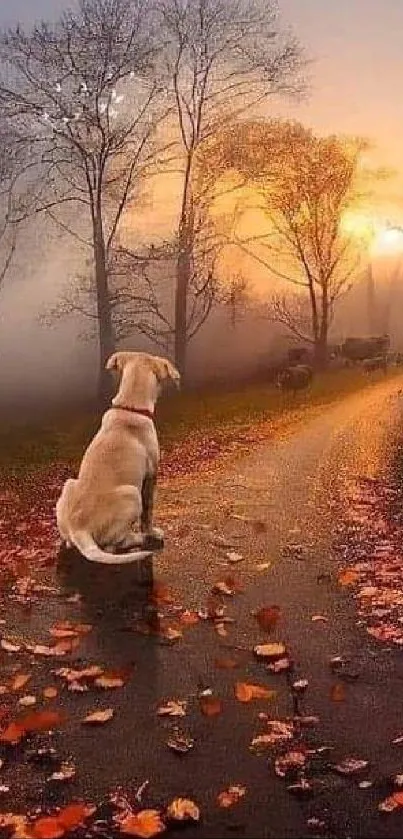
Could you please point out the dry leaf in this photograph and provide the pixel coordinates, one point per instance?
(99, 717)
(393, 802)
(270, 650)
(173, 708)
(338, 692)
(48, 828)
(145, 825)
(50, 693)
(245, 692)
(19, 682)
(289, 762)
(183, 810)
(351, 765)
(267, 617)
(231, 796)
(348, 577)
(13, 734)
(161, 595)
(210, 706)
(10, 646)
(280, 665)
(42, 720)
(109, 680)
(74, 815)
(27, 701)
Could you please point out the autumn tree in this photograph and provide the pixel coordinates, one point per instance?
(83, 97)
(304, 185)
(224, 57)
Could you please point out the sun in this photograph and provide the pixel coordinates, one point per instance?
(388, 242)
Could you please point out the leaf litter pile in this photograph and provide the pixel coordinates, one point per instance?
(370, 546)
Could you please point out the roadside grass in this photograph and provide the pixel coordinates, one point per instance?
(63, 437)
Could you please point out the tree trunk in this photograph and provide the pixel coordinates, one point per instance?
(184, 272)
(106, 335)
(321, 341)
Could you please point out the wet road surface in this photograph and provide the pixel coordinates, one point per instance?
(290, 492)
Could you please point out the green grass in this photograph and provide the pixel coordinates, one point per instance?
(64, 437)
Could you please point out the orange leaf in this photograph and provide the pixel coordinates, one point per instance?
(66, 645)
(338, 692)
(73, 815)
(210, 706)
(145, 824)
(13, 734)
(348, 577)
(398, 798)
(48, 828)
(267, 617)
(50, 693)
(42, 720)
(245, 692)
(19, 682)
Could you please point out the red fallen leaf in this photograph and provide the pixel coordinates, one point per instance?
(245, 692)
(348, 577)
(48, 828)
(42, 721)
(393, 802)
(267, 617)
(146, 824)
(13, 734)
(56, 632)
(338, 692)
(73, 815)
(210, 706)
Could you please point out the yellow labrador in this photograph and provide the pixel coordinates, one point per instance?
(115, 486)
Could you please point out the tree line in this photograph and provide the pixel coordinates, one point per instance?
(118, 92)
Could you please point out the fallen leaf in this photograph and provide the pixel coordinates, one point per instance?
(246, 692)
(146, 824)
(210, 706)
(231, 796)
(180, 743)
(278, 732)
(234, 557)
(338, 692)
(10, 646)
(42, 721)
(66, 772)
(87, 673)
(108, 681)
(279, 666)
(393, 802)
(99, 717)
(27, 701)
(319, 619)
(269, 650)
(19, 682)
(223, 588)
(50, 693)
(348, 577)
(173, 708)
(267, 617)
(13, 734)
(351, 765)
(161, 595)
(263, 566)
(183, 810)
(48, 827)
(73, 815)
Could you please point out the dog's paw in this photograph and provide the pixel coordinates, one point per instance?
(154, 540)
(157, 533)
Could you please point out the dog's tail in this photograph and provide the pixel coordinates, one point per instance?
(87, 546)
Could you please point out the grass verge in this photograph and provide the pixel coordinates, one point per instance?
(193, 415)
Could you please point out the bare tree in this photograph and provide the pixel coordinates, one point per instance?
(83, 99)
(304, 186)
(10, 162)
(224, 57)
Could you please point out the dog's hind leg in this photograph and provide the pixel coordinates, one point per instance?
(147, 498)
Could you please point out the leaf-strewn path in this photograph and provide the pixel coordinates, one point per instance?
(245, 681)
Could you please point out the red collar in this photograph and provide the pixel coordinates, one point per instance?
(144, 412)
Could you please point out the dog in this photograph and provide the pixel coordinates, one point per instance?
(295, 378)
(115, 486)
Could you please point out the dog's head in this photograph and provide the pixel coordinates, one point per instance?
(142, 376)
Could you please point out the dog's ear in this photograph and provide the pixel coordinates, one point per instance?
(165, 370)
(117, 361)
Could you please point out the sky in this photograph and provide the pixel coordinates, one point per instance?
(357, 72)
